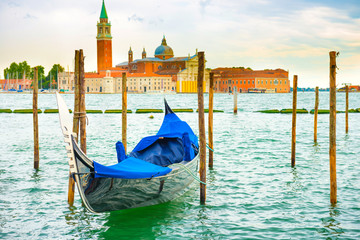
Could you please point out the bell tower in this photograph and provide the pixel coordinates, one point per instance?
(130, 56)
(104, 42)
(143, 55)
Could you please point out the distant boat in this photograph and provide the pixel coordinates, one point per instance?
(159, 169)
(160, 92)
(43, 90)
(256, 90)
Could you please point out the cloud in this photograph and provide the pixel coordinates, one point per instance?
(204, 4)
(29, 16)
(13, 4)
(135, 18)
(156, 21)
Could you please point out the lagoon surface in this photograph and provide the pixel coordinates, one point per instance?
(252, 190)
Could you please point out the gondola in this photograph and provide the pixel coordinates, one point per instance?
(160, 168)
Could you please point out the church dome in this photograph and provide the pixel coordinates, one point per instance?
(164, 51)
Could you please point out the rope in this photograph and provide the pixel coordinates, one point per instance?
(81, 115)
(208, 147)
(188, 171)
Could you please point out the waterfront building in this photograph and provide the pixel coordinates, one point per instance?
(352, 88)
(183, 70)
(163, 72)
(247, 80)
(111, 82)
(66, 81)
(15, 84)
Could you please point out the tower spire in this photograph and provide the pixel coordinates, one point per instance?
(143, 55)
(163, 42)
(103, 13)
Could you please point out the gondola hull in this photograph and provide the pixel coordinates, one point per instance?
(101, 192)
(112, 194)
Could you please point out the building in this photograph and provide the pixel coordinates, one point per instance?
(15, 84)
(163, 72)
(104, 41)
(183, 70)
(111, 82)
(247, 80)
(352, 88)
(66, 81)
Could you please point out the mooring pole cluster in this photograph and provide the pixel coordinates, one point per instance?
(79, 117)
(82, 102)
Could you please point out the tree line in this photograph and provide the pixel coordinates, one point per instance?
(23, 69)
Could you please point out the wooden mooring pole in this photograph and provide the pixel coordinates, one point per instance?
(124, 110)
(293, 132)
(347, 110)
(200, 85)
(71, 187)
(235, 100)
(332, 151)
(316, 113)
(82, 102)
(35, 119)
(210, 123)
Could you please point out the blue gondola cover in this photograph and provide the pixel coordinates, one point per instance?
(177, 138)
(130, 168)
(175, 142)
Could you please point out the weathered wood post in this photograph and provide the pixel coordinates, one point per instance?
(347, 110)
(332, 151)
(316, 113)
(35, 119)
(200, 86)
(210, 116)
(124, 109)
(293, 133)
(71, 187)
(82, 102)
(235, 100)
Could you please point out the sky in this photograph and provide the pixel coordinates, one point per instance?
(295, 35)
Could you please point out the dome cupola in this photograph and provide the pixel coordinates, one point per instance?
(164, 51)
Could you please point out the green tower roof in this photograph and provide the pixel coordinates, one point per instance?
(103, 13)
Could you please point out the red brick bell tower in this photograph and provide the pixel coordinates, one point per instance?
(104, 42)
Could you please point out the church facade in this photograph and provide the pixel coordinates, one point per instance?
(162, 73)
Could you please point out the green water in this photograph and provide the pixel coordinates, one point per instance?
(252, 191)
